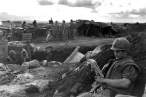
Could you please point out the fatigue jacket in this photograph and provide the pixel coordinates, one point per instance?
(123, 68)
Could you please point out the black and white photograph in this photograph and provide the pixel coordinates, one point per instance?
(72, 48)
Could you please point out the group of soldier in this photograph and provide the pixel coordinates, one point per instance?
(14, 58)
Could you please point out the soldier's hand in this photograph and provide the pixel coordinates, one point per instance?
(77, 69)
(99, 79)
(88, 54)
(64, 75)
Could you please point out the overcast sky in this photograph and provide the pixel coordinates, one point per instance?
(97, 10)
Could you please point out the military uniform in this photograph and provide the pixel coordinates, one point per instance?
(123, 68)
(120, 68)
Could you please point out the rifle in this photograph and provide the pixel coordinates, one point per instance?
(98, 72)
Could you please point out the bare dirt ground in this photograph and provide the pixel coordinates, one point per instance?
(77, 42)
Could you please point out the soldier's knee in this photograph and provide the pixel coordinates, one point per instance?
(88, 94)
(85, 95)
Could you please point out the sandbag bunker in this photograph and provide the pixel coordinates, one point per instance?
(43, 78)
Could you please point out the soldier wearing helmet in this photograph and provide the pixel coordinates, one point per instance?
(121, 44)
(121, 77)
(120, 47)
(24, 55)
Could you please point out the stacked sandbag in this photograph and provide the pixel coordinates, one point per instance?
(4, 78)
(16, 46)
(6, 75)
(50, 72)
(44, 79)
(23, 78)
(40, 72)
(39, 85)
(11, 71)
(138, 51)
(33, 83)
(51, 63)
(75, 82)
(31, 64)
(14, 67)
(138, 47)
(81, 81)
(12, 91)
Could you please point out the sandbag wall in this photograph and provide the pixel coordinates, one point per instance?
(61, 53)
(138, 50)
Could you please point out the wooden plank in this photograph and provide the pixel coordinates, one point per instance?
(72, 55)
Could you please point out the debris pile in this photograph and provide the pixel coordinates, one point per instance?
(28, 79)
(44, 77)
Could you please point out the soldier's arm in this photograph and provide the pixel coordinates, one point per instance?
(129, 75)
(117, 83)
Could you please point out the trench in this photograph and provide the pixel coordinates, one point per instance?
(61, 53)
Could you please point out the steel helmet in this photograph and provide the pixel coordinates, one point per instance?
(121, 44)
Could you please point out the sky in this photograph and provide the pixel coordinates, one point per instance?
(97, 10)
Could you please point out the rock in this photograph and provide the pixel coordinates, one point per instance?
(14, 67)
(38, 85)
(31, 64)
(4, 79)
(23, 78)
(12, 91)
(31, 89)
(54, 63)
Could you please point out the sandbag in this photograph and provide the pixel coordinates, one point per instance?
(5, 78)
(138, 45)
(23, 78)
(31, 64)
(84, 76)
(12, 91)
(14, 67)
(38, 85)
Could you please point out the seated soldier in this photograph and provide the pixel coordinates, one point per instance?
(24, 55)
(11, 59)
(81, 79)
(121, 77)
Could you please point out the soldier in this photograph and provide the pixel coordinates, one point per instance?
(122, 76)
(24, 55)
(49, 35)
(11, 59)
